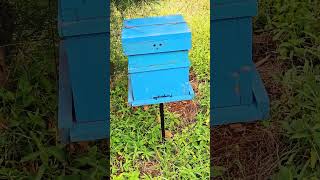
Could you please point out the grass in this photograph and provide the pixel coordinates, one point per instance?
(294, 26)
(136, 150)
(301, 124)
(28, 133)
(29, 147)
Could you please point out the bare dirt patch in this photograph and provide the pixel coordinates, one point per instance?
(150, 168)
(3, 124)
(264, 55)
(247, 151)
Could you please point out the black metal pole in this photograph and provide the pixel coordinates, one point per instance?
(162, 121)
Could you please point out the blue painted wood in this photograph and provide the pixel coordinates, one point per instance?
(231, 46)
(88, 70)
(257, 110)
(237, 92)
(246, 78)
(64, 135)
(230, 9)
(84, 70)
(158, 63)
(65, 117)
(141, 102)
(156, 20)
(155, 35)
(261, 96)
(78, 17)
(235, 114)
(89, 131)
(70, 129)
(161, 86)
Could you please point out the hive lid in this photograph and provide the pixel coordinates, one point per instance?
(155, 34)
(154, 26)
(83, 17)
(157, 20)
(228, 9)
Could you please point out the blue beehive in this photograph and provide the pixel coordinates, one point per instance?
(158, 63)
(237, 92)
(83, 70)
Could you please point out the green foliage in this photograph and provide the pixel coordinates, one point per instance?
(124, 4)
(29, 148)
(301, 123)
(28, 106)
(34, 19)
(295, 27)
(137, 151)
(217, 171)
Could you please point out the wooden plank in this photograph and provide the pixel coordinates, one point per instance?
(65, 92)
(231, 9)
(89, 131)
(88, 63)
(77, 17)
(228, 115)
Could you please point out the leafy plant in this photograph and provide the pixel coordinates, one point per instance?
(29, 147)
(302, 122)
(295, 27)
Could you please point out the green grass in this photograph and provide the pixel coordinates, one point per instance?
(295, 26)
(301, 124)
(136, 135)
(29, 147)
(28, 132)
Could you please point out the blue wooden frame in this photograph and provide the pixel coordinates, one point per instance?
(70, 128)
(237, 92)
(84, 29)
(158, 62)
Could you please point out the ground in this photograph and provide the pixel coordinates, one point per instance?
(251, 150)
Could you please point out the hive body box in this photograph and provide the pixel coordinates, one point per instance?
(237, 92)
(83, 70)
(158, 63)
